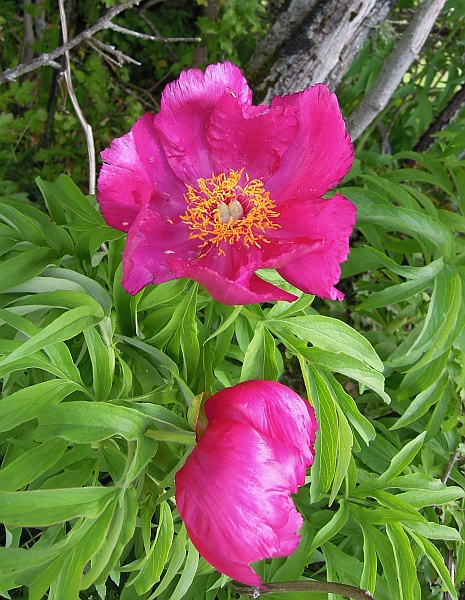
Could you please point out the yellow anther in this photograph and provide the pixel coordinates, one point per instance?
(219, 209)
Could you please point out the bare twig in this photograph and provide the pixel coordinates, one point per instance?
(69, 84)
(307, 585)
(455, 456)
(441, 121)
(106, 49)
(395, 67)
(48, 59)
(153, 38)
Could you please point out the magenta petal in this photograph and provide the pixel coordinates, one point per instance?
(151, 243)
(122, 183)
(235, 137)
(285, 419)
(250, 289)
(330, 220)
(186, 107)
(135, 172)
(321, 154)
(233, 498)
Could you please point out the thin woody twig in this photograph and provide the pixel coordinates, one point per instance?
(106, 49)
(395, 67)
(450, 465)
(48, 59)
(69, 84)
(153, 38)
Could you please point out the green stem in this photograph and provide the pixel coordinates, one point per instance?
(181, 437)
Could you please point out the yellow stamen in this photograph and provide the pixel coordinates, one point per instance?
(222, 210)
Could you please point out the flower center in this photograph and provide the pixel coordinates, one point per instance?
(222, 210)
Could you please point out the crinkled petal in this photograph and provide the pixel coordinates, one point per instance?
(254, 143)
(330, 221)
(152, 241)
(233, 497)
(321, 153)
(285, 419)
(136, 172)
(186, 107)
(250, 289)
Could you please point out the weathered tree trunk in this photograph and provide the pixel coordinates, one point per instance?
(313, 41)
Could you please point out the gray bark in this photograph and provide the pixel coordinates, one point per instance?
(313, 41)
(395, 67)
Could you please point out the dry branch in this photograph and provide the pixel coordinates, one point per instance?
(395, 67)
(49, 58)
(69, 84)
(313, 41)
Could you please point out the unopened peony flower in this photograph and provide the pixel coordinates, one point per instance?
(233, 491)
(214, 188)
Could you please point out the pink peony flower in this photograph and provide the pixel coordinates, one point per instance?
(233, 491)
(214, 188)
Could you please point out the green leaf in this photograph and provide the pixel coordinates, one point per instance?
(403, 458)
(422, 402)
(405, 561)
(62, 196)
(157, 555)
(395, 293)
(326, 445)
(408, 221)
(420, 499)
(86, 284)
(334, 525)
(103, 362)
(24, 267)
(370, 560)
(40, 508)
(177, 558)
(27, 403)
(31, 465)
(188, 572)
(90, 422)
(331, 335)
(260, 356)
(64, 327)
(341, 363)
(344, 453)
(436, 559)
(434, 531)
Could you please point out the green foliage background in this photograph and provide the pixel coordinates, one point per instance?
(96, 384)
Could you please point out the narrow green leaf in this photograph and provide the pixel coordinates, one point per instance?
(27, 403)
(158, 553)
(89, 422)
(408, 221)
(405, 561)
(333, 526)
(395, 293)
(40, 508)
(420, 499)
(103, 363)
(260, 359)
(344, 453)
(324, 466)
(331, 335)
(404, 457)
(188, 572)
(436, 559)
(422, 402)
(177, 558)
(66, 326)
(31, 465)
(25, 266)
